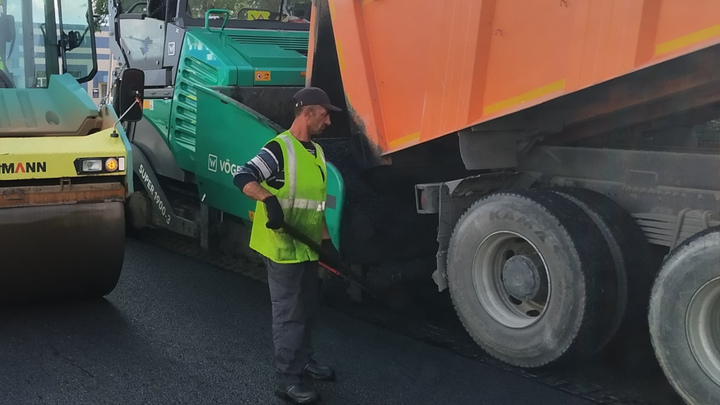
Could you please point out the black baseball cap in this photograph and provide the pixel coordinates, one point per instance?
(313, 96)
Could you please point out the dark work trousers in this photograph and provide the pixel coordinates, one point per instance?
(294, 293)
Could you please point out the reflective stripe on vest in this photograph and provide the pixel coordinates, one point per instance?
(301, 203)
(292, 165)
(302, 198)
(292, 179)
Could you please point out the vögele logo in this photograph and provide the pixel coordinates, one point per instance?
(212, 163)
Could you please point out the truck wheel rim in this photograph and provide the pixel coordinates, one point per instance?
(511, 279)
(702, 325)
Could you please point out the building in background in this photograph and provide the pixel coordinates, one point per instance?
(98, 87)
(78, 60)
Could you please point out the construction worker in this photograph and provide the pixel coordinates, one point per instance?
(288, 178)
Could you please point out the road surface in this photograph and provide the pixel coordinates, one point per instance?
(178, 331)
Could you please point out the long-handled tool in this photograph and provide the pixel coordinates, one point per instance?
(333, 263)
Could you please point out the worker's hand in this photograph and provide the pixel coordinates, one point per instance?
(276, 218)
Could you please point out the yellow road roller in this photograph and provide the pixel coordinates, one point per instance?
(65, 168)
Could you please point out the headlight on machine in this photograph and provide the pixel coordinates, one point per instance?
(99, 165)
(91, 166)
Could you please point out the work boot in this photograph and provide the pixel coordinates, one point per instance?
(319, 371)
(298, 393)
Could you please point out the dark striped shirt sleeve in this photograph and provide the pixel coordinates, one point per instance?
(266, 166)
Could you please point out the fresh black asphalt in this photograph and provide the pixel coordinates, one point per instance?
(178, 331)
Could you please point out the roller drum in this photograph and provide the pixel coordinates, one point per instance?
(60, 251)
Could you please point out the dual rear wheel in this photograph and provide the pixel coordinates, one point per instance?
(539, 277)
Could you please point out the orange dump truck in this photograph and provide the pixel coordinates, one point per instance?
(560, 144)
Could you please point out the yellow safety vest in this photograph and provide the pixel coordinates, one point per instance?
(302, 198)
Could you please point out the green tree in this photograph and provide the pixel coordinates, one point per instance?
(100, 7)
(100, 11)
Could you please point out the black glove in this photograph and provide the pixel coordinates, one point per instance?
(276, 218)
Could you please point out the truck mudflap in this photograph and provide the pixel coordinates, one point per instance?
(60, 251)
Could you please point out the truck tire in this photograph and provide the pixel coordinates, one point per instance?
(631, 255)
(684, 318)
(525, 273)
